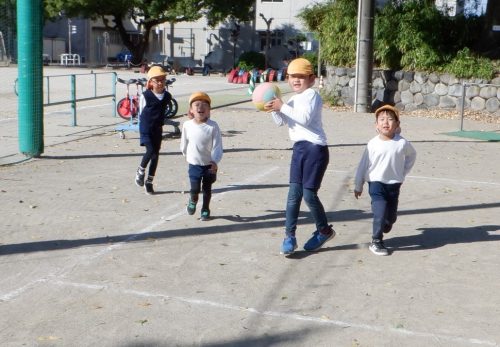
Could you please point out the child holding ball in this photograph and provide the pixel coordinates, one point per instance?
(310, 157)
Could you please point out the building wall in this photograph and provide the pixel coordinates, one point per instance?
(192, 41)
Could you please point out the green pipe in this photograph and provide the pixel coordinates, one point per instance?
(30, 76)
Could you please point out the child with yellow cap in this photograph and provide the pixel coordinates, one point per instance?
(201, 144)
(153, 104)
(387, 159)
(310, 157)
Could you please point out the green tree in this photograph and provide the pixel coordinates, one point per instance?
(335, 24)
(146, 14)
(410, 34)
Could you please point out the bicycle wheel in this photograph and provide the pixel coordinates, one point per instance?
(123, 108)
(171, 109)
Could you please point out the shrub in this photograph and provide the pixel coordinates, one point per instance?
(409, 35)
(467, 65)
(251, 60)
(335, 23)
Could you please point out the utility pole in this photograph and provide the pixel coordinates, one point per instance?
(268, 34)
(69, 35)
(364, 56)
(235, 33)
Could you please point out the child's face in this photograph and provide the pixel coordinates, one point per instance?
(158, 84)
(386, 124)
(200, 110)
(300, 82)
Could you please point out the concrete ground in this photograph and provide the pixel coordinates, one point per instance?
(88, 259)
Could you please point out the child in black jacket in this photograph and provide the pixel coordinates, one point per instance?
(153, 105)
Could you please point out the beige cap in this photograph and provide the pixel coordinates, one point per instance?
(156, 71)
(300, 66)
(199, 96)
(387, 108)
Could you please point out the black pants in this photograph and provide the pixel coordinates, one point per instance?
(151, 157)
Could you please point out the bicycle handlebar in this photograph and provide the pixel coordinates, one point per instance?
(130, 81)
(143, 81)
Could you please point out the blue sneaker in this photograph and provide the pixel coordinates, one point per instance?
(319, 238)
(289, 245)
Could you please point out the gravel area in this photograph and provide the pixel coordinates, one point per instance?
(485, 117)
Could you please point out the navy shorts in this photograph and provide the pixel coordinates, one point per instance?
(198, 173)
(309, 163)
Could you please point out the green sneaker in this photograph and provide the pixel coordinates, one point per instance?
(205, 215)
(191, 207)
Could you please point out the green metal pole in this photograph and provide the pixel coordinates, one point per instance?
(30, 75)
(73, 99)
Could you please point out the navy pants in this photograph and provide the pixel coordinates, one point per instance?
(385, 199)
(309, 163)
(201, 179)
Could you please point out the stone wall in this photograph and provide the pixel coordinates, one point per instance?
(417, 90)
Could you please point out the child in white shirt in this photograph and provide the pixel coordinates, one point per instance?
(310, 157)
(386, 161)
(201, 144)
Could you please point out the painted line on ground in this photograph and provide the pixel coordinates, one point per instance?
(86, 259)
(283, 315)
(453, 180)
(427, 178)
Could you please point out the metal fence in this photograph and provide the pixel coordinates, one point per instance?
(73, 88)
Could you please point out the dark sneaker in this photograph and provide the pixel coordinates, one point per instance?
(318, 239)
(377, 247)
(149, 188)
(191, 207)
(205, 215)
(139, 178)
(289, 245)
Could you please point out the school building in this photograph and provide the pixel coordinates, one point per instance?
(275, 26)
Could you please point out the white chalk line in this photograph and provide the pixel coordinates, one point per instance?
(86, 259)
(316, 320)
(453, 180)
(426, 178)
(277, 314)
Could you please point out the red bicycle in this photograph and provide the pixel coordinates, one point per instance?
(128, 107)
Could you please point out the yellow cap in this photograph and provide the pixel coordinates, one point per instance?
(199, 96)
(156, 71)
(387, 108)
(300, 66)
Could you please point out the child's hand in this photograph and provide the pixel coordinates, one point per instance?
(213, 168)
(357, 194)
(273, 105)
(190, 115)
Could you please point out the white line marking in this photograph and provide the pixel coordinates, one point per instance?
(15, 293)
(452, 180)
(284, 315)
(86, 259)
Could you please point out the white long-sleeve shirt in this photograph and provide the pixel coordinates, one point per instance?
(302, 114)
(201, 143)
(385, 161)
